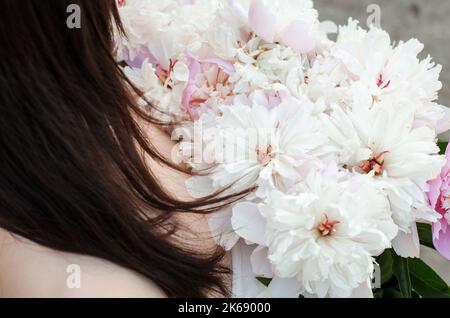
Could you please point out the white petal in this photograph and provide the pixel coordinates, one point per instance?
(298, 36)
(248, 223)
(407, 244)
(221, 229)
(260, 262)
(284, 288)
(262, 21)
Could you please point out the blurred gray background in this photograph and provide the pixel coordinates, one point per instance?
(426, 20)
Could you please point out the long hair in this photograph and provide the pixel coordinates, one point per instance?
(72, 174)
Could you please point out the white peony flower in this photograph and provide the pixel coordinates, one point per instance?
(385, 72)
(271, 68)
(321, 240)
(327, 83)
(162, 30)
(383, 143)
(150, 81)
(263, 148)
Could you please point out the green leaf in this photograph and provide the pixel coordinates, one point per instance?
(264, 281)
(426, 282)
(443, 146)
(385, 261)
(415, 294)
(379, 293)
(391, 293)
(425, 234)
(401, 271)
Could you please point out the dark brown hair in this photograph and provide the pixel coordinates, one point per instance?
(72, 176)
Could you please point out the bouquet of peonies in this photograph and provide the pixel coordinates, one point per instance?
(334, 142)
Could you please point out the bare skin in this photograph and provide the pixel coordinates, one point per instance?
(29, 270)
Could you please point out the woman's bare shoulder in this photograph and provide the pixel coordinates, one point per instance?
(30, 270)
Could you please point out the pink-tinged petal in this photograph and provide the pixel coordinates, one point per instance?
(407, 244)
(225, 65)
(186, 101)
(195, 67)
(436, 229)
(297, 36)
(439, 190)
(238, 10)
(274, 101)
(259, 97)
(434, 191)
(161, 52)
(442, 242)
(248, 223)
(221, 229)
(446, 169)
(445, 173)
(262, 21)
(144, 54)
(260, 262)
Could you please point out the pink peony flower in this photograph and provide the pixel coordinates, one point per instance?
(208, 85)
(439, 197)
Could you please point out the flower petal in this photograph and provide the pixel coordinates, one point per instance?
(297, 35)
(284, 288)
(221, 229)
(442, 242)
(407, 244)
(248, 223)
(260, 262)
(262, 21)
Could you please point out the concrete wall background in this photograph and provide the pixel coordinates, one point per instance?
(426, 20)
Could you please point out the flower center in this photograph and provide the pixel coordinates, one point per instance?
(164, 74)
(212, 83)
(265, 156)
(380, 82)
(375, 164)
(327, 227)
(306, 79)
